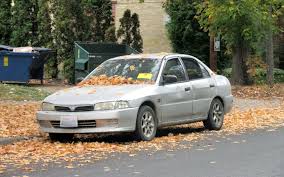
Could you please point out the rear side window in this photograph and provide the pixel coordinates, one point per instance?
(192, 68)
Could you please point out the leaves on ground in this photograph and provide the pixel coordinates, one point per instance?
(17, 119)
(259, 91)
(20, 120)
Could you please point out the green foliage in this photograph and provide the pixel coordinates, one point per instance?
(260, 76)
(44, 24)
(243, 25)
(110, 34)
(137, 42)
(99, 13)
(20, 93)
(79, 20)
(72, 20)
(129, 31)
(184, 30)
(24, 24)
(45, 38)
(5, 25)
(69, 26)
(124, 30)
(234, 20)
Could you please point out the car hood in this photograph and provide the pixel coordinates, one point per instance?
(94, 94)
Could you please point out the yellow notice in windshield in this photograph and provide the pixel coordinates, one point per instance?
(145, 76)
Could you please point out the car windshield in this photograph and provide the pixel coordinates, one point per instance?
(136, 69)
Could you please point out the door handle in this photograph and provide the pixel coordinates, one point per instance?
(187, 89)
(212, 85)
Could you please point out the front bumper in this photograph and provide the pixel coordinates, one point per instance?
(125, 121)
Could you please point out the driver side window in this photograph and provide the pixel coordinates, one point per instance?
(174, 67)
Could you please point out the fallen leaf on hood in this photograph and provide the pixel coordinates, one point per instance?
(113, 80)
(92, 91)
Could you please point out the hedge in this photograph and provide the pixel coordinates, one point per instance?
(260, 77)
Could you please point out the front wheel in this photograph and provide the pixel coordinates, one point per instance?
(216, 116)
(146, 124)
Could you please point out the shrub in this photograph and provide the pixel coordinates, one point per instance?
(260, 76)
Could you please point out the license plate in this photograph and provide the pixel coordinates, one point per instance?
(68, 121)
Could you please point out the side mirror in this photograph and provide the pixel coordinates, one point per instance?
(168, 79)
(80, 79)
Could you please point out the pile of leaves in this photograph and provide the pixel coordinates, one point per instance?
(18, 119)
(259, 92)
(113, 80)
(85, 150)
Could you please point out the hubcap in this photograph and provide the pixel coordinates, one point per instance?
(217, 113)
(148, 124)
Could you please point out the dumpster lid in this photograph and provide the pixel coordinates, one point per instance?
(5, 47)
(29, 49)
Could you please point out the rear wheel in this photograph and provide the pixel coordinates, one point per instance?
(62, 137)
(146, 124)
(216, 116)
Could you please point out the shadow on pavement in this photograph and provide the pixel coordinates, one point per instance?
(127, 138)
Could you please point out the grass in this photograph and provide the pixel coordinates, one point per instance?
(21, 93)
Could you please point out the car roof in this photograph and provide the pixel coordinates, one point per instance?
(152, 56)
(161, 56)
(144, 56)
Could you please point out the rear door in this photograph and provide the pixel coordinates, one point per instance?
(176, 98)
(202, 87)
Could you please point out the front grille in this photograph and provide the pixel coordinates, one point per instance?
(62, 109)
(75, 109)
(81, 124)
(84, 108)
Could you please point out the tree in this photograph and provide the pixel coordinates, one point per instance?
(99, 13)
(69, 26)
(45, 38)
(137, 39)
(129, 32)
(124, 31)
(110, 34)
(5, 25)
(273, 9)
(184, 30)
(24, 24)
(242, 24)
(269, 51)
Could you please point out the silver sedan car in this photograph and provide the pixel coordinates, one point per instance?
(181, 90)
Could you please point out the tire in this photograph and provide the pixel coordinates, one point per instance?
(215, 116)
(146, 124)
(62, 137)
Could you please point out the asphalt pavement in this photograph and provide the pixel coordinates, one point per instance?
(253, 154)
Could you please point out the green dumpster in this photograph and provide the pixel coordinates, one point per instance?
(89, 55)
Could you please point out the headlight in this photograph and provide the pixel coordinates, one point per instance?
(111, 105)
(47, 107)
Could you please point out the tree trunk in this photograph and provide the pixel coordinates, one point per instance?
(239, 67)
(269, 54)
